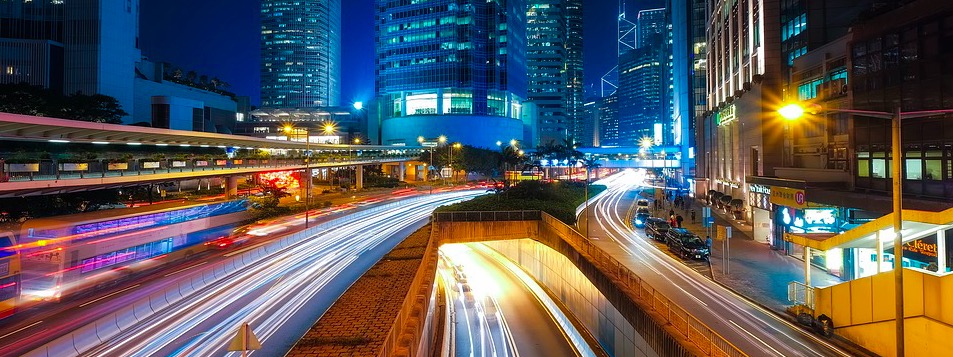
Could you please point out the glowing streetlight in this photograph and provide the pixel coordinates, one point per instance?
(795, 111)
(358, 105)
(499, 143)
(442, 139)
(513, 142)
(357, 140)
(329, 128)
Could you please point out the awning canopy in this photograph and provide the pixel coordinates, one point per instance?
(916, 225)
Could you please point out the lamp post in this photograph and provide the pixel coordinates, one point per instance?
(795, 111)
(307, 173)
(420, 139)
(451, 148)
(443, 140)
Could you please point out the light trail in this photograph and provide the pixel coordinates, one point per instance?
(710, 303)
(269, 292)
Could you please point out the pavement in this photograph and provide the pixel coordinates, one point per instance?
(754, 270)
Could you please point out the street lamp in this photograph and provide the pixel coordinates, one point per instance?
(420, 139)
(795, 111)
(307, 170)
(451, 147)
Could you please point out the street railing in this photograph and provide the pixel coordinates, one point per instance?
(487, 216)
(801, 294)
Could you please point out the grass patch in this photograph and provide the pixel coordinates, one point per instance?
(558, 199)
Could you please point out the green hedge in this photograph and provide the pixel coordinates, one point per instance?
(559, 199)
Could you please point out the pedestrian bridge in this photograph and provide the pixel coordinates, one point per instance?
(46, 155)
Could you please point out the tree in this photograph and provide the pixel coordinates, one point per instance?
(191, 76)
(96, 108)
(27, 99)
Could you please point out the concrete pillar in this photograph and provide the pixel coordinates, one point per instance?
(807, 275)
(402, 171)
(941, 250)
(359, 177)
(880, 252)
(231, 186)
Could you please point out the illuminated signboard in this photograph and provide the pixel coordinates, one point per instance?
(726, 115)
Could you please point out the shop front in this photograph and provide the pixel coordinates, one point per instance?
(759, 203)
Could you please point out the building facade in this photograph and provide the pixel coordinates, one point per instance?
(554, 63)
(300, 53)
(641, 95)
(88, 46)
(740, 133)
(451, 67)
(608, 120)
(689, 71)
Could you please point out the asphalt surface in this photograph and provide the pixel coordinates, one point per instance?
(499, 316)
(747, 326)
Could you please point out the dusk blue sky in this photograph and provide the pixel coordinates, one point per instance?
(219, 38)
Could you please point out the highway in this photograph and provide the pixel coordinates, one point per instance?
(752, 329)
(280, 295)
(494, 312)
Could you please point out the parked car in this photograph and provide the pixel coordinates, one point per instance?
(686, 244)
(641, 215)
(656, 228)
(642, 203)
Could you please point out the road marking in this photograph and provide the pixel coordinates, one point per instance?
(21, 329)
(240, 251)
(184, 269)
(755, 337)
(110, 294)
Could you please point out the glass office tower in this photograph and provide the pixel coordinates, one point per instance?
(451, 67)
(300, 53)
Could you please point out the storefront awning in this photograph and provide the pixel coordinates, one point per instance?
(916, 224)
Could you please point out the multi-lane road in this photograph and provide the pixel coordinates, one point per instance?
(495, 313)
(747, 326)
(280, 295)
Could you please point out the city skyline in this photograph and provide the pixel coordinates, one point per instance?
(233, 55)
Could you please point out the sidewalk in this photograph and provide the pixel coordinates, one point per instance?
(754, 269)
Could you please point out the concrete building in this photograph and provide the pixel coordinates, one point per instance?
(609, 121)
(300, 53)
(166, 104)
(453, 69)
(328, 125)
(554, 63)
(641, 96)
(88, 46)
(741, 134)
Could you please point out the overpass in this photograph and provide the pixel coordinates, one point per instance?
(97, 155)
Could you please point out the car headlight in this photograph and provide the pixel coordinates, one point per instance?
(638, 221)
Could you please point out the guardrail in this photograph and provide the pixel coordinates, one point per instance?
(689, 327)
(801, 294)
(107, 327)
(487, 216)
(57, 170)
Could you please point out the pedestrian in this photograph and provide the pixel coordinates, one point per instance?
(672, 222)
(693, 216)
(708, 243)
(679, 219)
(671, 212)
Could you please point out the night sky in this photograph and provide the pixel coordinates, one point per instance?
(219, 38)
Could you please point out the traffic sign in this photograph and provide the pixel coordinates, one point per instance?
(708, 221)
(245, 340)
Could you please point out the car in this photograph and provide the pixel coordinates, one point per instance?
(656, 228)
(489, 309)
(641, 216)
(642, 203)
(686, 244)
(468, 299)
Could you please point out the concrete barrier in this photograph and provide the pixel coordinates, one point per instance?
(93, 334)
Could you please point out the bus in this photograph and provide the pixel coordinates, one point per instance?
(9, 274)
(72, 253)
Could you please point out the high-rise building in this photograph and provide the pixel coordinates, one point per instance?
(88, 46)
(641, 94)
(688, 75)
(652, 28)
(643, 90)
(300, 53)
(554, 60)
(608, 121)
(451, 67)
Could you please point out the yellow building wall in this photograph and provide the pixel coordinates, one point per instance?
(863, 311)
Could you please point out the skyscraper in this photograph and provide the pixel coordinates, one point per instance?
(300, 53)
(689, 70)
(88, 46)
(554, 60)
(643, 90)
(451, 67)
